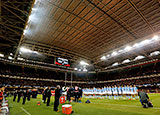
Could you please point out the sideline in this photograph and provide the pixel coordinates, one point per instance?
(25, 111)
(124, 105)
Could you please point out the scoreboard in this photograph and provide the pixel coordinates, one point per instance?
(62, 61)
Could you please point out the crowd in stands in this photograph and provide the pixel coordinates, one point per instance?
(16, 70)
(24, 82)
(149, 69)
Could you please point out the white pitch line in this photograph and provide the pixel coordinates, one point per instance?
(25, 111)
(125, 105)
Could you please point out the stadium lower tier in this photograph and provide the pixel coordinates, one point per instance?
(27, 71)
(36, 82)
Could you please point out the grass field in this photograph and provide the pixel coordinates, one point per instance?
(97, 107)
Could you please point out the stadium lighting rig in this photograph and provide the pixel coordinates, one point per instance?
(25, 50)
(9, 57)
(154, 53)
(134, 46)
(145, 42)
(20, 59)
(11, 54)
(155, 38)
(103, 58)
(84, 63)
(114, 53)
(139, 57)
(82, 66)
(27, 25)
(128, 48)
(115, 64)
(33, 17)
(126, 61)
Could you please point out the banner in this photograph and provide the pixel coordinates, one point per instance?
(53, 92)
(62, 61)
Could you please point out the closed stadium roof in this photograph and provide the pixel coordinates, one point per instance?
(79, 29)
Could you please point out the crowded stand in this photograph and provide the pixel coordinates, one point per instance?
(32, 76)
(25, 82)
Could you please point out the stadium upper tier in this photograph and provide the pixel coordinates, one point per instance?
(90, 30)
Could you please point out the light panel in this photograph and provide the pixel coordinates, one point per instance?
(139, 57)
(25, 50)
(115, 64)
(103, 58)
(114, 53)
(155, 38)
(9, 57)
(128, 48)
(1, 55)
(83, 63)
(154, 53)
(126, 61)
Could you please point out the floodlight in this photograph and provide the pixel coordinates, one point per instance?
(1, 55)
(127, 48)
(103, 57)
(136, 45)
(115, 64)
(35, 52)
(83, 63)
(19, 58)
(9, 57)
(114, 53)
(139, 57)
(154, 53)
(126, 61)
(155, 38)
(25, 31)
(79, 69)
(85, 69)
(32, 17)
(108, 55)
(145, 42)
(25, 50)
(120, 51)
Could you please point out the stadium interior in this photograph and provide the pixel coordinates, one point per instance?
(92, 44)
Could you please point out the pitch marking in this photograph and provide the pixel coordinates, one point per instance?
(124, 105)
(25, 111)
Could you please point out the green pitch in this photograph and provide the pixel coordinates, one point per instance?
(97, 107)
